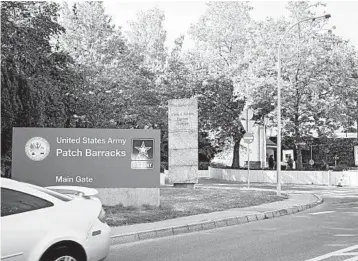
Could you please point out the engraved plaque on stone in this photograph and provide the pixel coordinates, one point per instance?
(183, 141)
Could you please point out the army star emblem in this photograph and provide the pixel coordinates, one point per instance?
(143, 150)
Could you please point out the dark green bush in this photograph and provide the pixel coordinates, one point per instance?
(340, 167)
(203, 165)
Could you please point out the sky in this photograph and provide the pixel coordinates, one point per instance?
(179, 15)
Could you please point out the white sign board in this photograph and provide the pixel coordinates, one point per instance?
(356, 155)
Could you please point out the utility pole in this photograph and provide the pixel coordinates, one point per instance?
(248, 144)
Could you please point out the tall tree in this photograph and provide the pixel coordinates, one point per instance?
(117, 90)
(123, 86)
(33, 76)
(222, 36)
(219, 112)
(147, 36)
(315, 70)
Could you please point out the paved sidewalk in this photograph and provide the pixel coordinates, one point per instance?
(170, 227)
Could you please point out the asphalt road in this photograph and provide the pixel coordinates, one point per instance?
(327, 232)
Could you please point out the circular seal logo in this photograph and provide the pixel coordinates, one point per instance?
(37, 148)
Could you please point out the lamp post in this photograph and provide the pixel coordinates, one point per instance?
(279, 98)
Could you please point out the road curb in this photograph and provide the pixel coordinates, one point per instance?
(319, 200)
(211, 224)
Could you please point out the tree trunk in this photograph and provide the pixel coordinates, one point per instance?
(236, 157)
(299, 158)
(68, 122)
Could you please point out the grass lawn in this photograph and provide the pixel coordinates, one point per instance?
(179, 202)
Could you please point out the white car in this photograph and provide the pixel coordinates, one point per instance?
(41, 224)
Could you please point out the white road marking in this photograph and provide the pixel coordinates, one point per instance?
(321, 213)
(347, 254)
(339, 228)
(337, 245)
(352, 259)
(335, 253)
(344, 235)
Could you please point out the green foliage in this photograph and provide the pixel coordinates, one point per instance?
(219, 109)
(343, 148)
(33, 76)
(317, 73)
(222, 37)
(117, 90)
(122, 85)
(340, 167)
(147, 37)
(219, 112)
(79, 70)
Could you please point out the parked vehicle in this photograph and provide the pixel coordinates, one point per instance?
(41, 224)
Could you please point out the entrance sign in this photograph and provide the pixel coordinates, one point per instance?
(183, 141)
(248, 137)
(98, 158)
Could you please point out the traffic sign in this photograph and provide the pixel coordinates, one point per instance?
(248, 137)
(311, 162)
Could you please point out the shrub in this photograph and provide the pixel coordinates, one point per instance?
(341, 167)
(163, 166)
(203, 165)
(219, 165)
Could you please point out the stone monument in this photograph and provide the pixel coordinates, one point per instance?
(183, 142)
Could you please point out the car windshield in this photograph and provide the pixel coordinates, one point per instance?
(54, 194)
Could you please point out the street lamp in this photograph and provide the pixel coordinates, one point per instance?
(279, 98)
